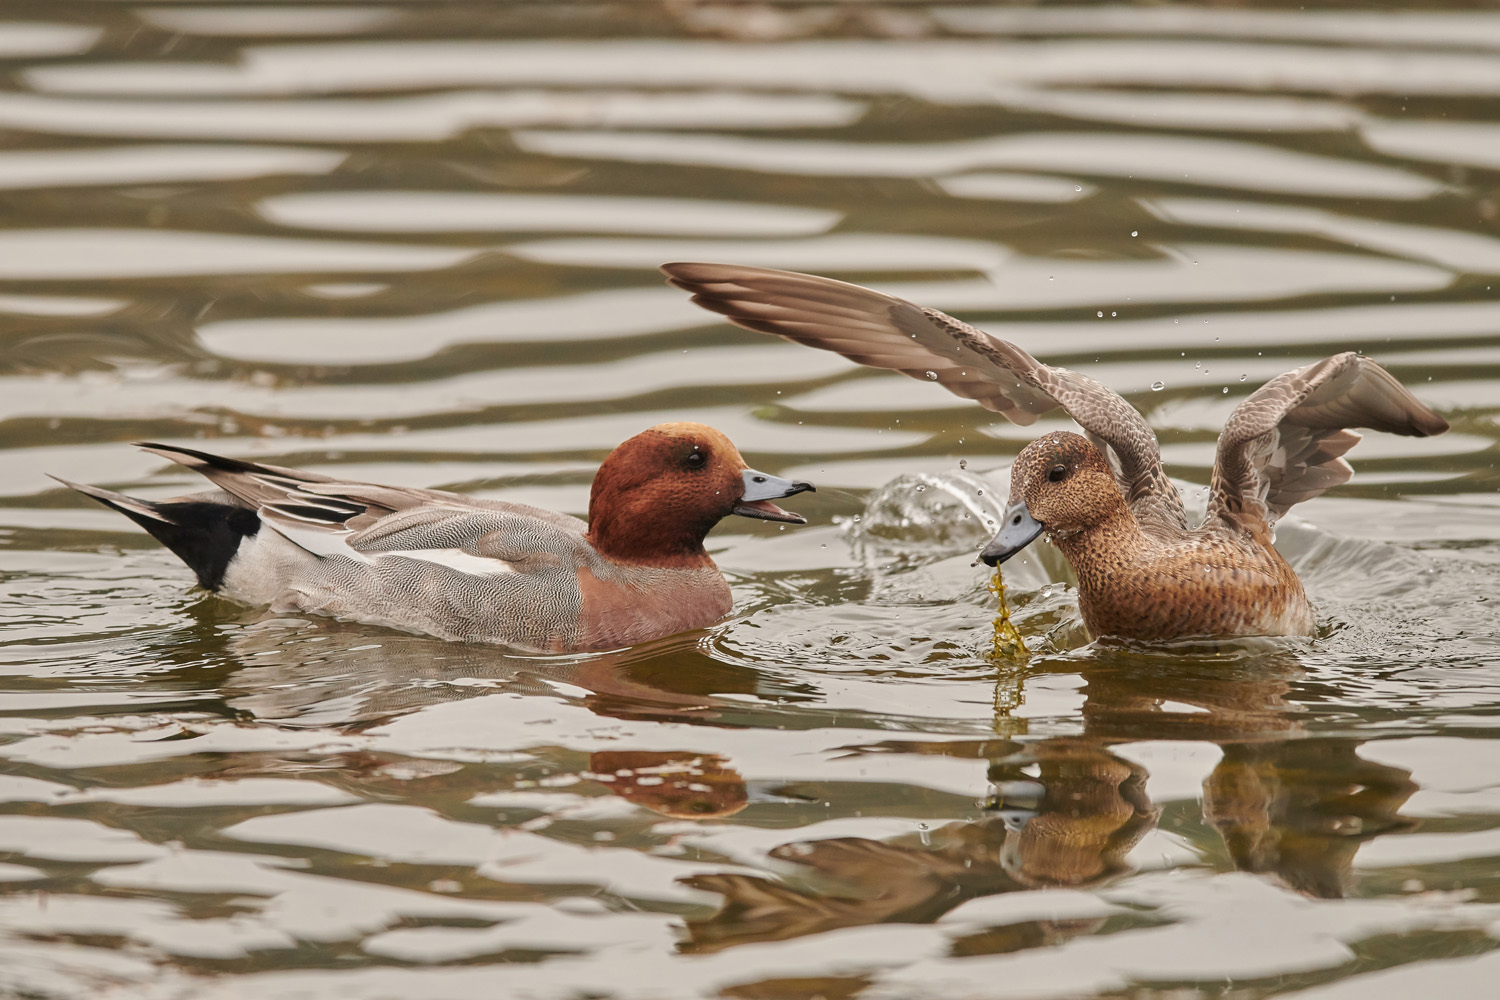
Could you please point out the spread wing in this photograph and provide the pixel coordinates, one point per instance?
(1285, 443)
(883, 331)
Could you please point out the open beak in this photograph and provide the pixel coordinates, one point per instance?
(1018, 531)
(761, 489)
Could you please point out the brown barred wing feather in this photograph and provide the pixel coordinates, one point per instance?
(883, 331)
(1285, 443)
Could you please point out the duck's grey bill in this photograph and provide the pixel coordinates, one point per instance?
(1018, 531)
(761, 489)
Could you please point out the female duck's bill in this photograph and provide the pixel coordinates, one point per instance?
(1018, 531)
(470, 568)
(1102, 497)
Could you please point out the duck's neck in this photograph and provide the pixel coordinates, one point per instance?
(1096, 550)
(653, 536)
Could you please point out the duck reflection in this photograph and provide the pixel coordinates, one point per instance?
(1064, 811)
(681, 785)
(1300, 809)
(336, 675)
(1285, 802)
(1072, 811)
(1067, 811)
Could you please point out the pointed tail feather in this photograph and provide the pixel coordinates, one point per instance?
(206, 463)
(203, 534)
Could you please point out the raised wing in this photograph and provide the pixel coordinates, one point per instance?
(883, 331)
(1285, 442)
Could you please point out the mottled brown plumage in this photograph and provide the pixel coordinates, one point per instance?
(1143, 571)
(1153, 584)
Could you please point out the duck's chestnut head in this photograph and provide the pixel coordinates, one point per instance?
(658, 494)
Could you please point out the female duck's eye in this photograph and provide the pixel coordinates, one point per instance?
(1056, 474)
(696, 460)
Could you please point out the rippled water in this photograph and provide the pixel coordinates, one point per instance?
(415, 243)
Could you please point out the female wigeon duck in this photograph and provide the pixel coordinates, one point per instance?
(463, 568)
(1103, 498)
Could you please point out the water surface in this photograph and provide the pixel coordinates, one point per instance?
(416, 243)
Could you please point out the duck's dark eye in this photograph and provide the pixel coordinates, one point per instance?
(696, 459)
(1055, 475)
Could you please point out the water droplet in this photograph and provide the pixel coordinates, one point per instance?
(1134, 233)
(1077, 187)
(1158, 386)
(1242, 378)
(857, 518)
(1113, 313)
(932, 375)
(921, 489)
(824, 545)
(980, 492)
(1197, 364)
(963, 463)
(1226, 390)
(1100, 314)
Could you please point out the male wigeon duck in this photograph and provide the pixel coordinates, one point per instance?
(1102, 497)
(468, 569)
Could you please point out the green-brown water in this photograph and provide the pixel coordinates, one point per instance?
(415, 243)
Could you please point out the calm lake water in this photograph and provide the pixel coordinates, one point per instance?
(416, 243)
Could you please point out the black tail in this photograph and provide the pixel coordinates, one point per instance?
(204, 534)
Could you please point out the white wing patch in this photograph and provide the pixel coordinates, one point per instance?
(458, 559)
(318, 541)
(323, 542)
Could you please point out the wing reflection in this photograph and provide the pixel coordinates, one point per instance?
(1300, 809)
(1285, 803)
